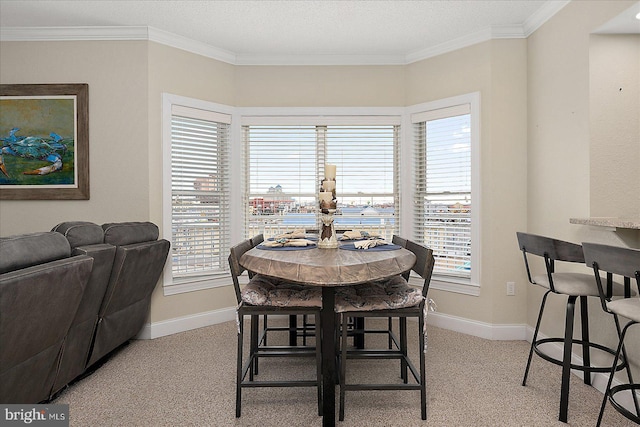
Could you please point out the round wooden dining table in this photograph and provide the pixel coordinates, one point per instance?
(329, 269)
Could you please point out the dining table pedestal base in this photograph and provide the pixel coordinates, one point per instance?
(329, 372)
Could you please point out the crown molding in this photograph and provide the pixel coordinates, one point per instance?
(73, 33)
(536, 20)
(450, 46)
(190, 45)
(117, 34)
(508, 32)
(517, 31)
(542, 15)
(260, 59)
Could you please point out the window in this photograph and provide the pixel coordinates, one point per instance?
(197, 196)
(285, 158)
(445, 200)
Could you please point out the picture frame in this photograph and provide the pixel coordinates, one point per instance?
(44, 132)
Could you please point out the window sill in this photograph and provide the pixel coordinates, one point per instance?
(449, 286)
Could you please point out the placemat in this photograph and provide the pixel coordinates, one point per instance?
(312, 238)
(351, 247)
(285, 248)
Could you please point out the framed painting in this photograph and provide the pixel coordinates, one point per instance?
(44, 131)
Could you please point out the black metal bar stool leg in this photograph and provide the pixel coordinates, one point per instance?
(255, 320)
(423, 378)
(535, 337)
(585, 339)
(293, 333)
(566, 359)
(611, 375)
(239, 366)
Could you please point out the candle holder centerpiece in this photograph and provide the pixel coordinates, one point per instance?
(328, 204)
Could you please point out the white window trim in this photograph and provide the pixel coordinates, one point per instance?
(310, 115)
(327, 115)
(201, 282)
(467, 287)
(406, 174)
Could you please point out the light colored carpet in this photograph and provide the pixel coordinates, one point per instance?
(188, 379)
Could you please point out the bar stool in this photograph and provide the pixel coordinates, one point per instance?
(572, 285)
(624, 262)
(267, 296)
(389, 298)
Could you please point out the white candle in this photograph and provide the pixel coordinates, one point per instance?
(326, 196)
(328, 185)
(330, 171)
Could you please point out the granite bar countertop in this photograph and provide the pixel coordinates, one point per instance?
(623, 222)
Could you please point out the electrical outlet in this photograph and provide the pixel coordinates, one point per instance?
(511, 288)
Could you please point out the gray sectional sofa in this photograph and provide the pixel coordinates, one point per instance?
(68, 298)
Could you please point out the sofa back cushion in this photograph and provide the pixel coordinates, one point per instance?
(126, 233)
(80, 233)
(26, 250)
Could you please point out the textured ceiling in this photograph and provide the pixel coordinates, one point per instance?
(284, 31)
(288, 27)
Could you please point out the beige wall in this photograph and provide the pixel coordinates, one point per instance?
(535, 163)
(614, 122)
(496, 69)
(178, 72)
(319, 86)
(559, 143)
(118, 131)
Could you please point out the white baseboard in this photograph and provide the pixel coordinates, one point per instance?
(445, 321)
(440, 320)
(186, 323)
(476, 328)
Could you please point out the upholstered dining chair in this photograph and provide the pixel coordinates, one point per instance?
(268, 296)
(626, 263)
(357, 327)
(391, 298)
(572, 285)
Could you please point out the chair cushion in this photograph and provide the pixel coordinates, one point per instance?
(380, 295)
(267, 291)
(576, 284)
(626, 307)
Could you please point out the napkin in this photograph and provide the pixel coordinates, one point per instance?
(295, 234)
(366, 244)
(355, 234)
(277, 243)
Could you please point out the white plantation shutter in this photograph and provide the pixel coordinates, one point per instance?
(285, 158)
(442, 199)
(199, 192)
